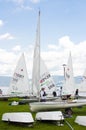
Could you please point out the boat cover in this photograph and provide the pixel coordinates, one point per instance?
(52, 115)
(81, 120)
(21, 117)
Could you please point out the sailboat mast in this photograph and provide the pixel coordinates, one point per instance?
(36, 62)
(39, 56)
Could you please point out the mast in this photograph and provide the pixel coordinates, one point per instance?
(36, 62)
(39, 56)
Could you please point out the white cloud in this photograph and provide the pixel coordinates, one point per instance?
(6, 36)
(66, 43)
(22, 2)
(17, 48)
(52, 47)
(7, 62)
(7, 57)
(54, 58)
(22, 7)
(35, 1)
(59, 55)
(17, 1)
(1, 23)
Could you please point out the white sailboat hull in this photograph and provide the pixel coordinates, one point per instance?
(81, 120)
(53, 116)
(44, 106)
(82, 100)
(19, 117)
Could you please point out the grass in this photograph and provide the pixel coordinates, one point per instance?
(5, 107)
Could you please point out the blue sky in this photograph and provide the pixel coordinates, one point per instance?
(63, 29)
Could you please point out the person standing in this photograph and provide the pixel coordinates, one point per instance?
(76, 93)
(54, 93)
(60, 91)
(43, 95)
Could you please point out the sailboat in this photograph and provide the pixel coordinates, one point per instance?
(57, 104)
(69, 84)
(19, 85)
(40, 75)
(39, 78)
(70, 87)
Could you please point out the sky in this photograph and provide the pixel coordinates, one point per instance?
(62, 30)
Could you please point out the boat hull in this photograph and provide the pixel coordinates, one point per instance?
(51, 116)
(43, 106)
(81, 120)
(19, 117)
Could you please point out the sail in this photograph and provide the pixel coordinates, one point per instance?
(40, 75)
(68, 85)
(19, 85)
(36, 62)
(46, 80)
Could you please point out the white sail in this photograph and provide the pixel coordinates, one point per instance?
(46, 80)
(69, 85)
(36, 63)
(40, 75)
(19, 85)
